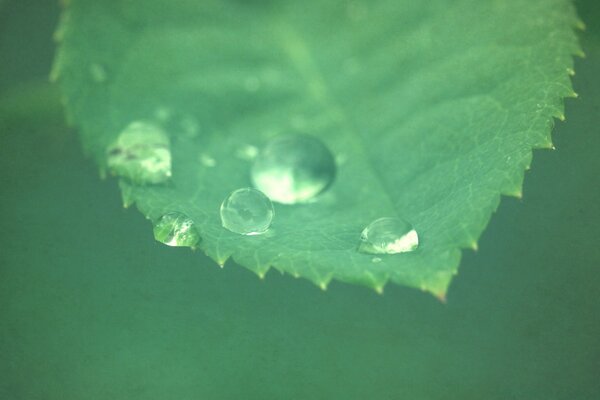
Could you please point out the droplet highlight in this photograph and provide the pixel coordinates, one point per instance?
(388, 236)
(176, 229)
(141, 154)
(247, 211)
(293, 169)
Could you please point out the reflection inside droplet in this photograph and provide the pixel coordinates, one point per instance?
(293, 168)
(388, 236)
(141, 154)
(247, 211)
(176, 229)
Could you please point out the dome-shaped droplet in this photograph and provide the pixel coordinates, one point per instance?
(388, 236)
(176, 229)
(247, 212)
(141, 154)
(293, 168)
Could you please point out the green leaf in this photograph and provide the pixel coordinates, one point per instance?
(432, 110)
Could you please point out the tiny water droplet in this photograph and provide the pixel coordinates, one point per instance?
(247, 152)
(207, 160)
(141, 154)
(388, 236)
(98, 73)
(293, 168)
(176, 229)
(376, 260)
(247, 211)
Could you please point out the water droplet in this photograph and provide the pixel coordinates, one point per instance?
(176, 229)
(293, 168)
(247, 152)
(98, 73)
(376, 260)
(207, 160)
(388, 236)
(141, 154)
(247, 211)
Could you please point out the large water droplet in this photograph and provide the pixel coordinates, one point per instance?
(388, 236)
(247, 211)
(176, 229)
(141, 154)
(293, 168)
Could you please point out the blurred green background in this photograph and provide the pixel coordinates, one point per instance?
(91, 307)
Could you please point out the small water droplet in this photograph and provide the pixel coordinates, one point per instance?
(98, 73)
(247, 211)
(376, 260)
(141, 154)
(388, 236)
(176, 229)
(293, 168)
(207, 160)
(247, 152)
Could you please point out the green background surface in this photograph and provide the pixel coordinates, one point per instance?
(91, 307)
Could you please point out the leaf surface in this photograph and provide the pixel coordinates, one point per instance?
(431, 109)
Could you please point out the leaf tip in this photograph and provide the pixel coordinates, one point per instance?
(261, 275)
(441, 297)
(518, 194)
(222, 261)
(473, 245)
